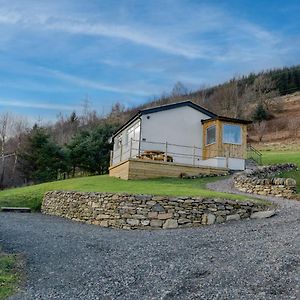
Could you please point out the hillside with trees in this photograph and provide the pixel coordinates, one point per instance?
(77, 145)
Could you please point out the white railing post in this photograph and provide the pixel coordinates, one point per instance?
(194, 153)
(166, 152)
(121, 151)
(111, 158)
(130, 150)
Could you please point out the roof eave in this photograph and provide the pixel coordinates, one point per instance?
(227, 119)
(178, 104)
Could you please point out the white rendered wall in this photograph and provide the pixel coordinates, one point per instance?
(180, 126)
(236, 163)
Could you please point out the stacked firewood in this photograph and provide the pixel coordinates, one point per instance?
(155, 155)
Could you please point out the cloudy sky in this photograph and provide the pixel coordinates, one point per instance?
(55, 53)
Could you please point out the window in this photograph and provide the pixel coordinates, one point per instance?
(133, 133)
(137, 132)
(232, 134)
(130, 135)
(118, 142)
(211, 135)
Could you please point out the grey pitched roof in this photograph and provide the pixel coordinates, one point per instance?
(167, 107)
(162, 108)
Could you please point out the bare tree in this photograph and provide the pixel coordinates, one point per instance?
(226, 100)
(202, 95)
(260, 129)
(19, 128)
(294, 127)
(264, 91)
(179, 90)
(5, 126)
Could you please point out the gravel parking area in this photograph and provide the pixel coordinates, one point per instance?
(248, 259)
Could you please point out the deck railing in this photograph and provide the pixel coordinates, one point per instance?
(190, 155)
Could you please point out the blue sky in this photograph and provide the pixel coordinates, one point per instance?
(54, 54)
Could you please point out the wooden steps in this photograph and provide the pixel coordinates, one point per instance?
(16, 209)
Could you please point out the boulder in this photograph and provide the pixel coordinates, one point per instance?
(262, 214)
(170, 224)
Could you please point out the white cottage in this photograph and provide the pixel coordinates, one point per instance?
(178, 138)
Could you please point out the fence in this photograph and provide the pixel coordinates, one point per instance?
(188, 155)
(165, 151)
(254, 154)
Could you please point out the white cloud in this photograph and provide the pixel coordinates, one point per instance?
(42, 105)
(87, 83)
(166, 42)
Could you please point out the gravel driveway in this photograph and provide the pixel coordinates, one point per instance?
(249, 259)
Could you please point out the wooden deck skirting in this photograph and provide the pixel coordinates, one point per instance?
(143, 169)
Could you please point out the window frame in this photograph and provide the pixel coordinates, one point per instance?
(215, 139)
(240, 132)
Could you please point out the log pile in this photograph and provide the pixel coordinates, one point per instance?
(155, 155)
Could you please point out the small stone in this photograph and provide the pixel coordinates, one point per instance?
(183, 221)
(145, 222)
(290, 182)
(263, 214)
(157, 208)
(159, 198)
(156, 223)
(220, 219)
(104, 223)
(233, 217)
(170, 224)
(152, 215)
(133, 222)
(165, 216)
(102, 216)
(211, 219)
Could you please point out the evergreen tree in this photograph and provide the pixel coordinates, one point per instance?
(260, 113)
(89, 150)
(41, 159)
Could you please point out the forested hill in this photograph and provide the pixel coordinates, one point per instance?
(286, 80)
(232, 97)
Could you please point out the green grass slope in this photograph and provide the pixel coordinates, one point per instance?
(275, 157)
(31, 196)
(9, 277)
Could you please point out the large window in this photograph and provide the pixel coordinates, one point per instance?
(210, 135)
(232, 134)
(118, 142)
(133, 133)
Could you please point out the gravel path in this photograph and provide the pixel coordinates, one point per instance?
(248, 259)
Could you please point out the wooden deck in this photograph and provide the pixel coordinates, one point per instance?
(143, 169)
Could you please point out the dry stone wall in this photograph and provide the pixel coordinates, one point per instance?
(263, 181)
(146, 211)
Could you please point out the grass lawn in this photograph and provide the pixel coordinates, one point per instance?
(276, 157)
(295, 175)
(270, 157)
(9, 277)
(31, 196)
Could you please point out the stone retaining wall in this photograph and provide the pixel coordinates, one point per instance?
(146, 211)
(263, 181)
